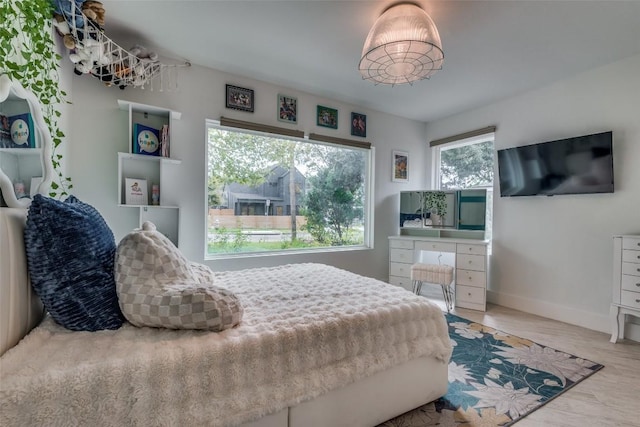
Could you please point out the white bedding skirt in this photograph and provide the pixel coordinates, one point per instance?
(307, 329)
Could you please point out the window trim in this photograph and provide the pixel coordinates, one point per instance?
(436, 150)
(268, 131)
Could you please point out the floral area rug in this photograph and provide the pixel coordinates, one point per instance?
(495, 379)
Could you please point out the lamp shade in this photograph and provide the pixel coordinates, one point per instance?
(402, 46)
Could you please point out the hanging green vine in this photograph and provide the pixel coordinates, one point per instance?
(30, 57)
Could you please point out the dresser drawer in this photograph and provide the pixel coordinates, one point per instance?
(631, 283)
(630, 268)
(400, 243)
(630, 299)
(631, 243)
(471, 278)
(471, 249)
(401, 255)
(631, 256)
(403, 282)
(399, 269)
(435, 246)
(470, 294)
(470, 262)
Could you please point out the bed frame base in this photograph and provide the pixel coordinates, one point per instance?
(370, 401)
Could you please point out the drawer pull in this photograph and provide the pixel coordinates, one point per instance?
(637, 300)
(469, 294)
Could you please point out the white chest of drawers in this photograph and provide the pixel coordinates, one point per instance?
(626, 283)
(471, 265)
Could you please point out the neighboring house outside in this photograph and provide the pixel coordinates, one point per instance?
(269, 198)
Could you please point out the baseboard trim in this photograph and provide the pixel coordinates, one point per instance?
(596, 322)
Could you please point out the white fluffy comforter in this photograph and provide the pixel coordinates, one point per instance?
(307, 329)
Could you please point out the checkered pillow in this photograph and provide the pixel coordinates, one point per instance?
(158, 287)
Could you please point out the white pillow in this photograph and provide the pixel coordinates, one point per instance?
(158, 287)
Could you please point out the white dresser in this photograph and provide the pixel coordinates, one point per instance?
(626, 283)
(470, 258)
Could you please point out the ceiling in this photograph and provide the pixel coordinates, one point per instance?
(493, 49)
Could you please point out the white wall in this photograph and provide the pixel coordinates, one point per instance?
(99, 130)
(553, 255)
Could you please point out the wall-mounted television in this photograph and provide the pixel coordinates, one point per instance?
(578, 165)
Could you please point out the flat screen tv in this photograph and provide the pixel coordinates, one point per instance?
(579, 165)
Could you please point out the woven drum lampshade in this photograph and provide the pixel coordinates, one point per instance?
(402, 46)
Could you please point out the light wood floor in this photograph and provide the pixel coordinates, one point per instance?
(609, 398)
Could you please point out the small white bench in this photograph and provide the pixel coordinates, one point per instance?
(433, 273)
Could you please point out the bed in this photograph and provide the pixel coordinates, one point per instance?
(318, 346)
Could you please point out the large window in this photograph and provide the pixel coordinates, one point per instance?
(271, 193)
(466, 163)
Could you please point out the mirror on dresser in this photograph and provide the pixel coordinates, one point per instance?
(450, 213)
(25, 146)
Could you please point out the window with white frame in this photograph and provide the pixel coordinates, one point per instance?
(269, 193)
(466, 162)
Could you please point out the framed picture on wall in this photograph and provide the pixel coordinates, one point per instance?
(239, 98)
(400, 166)
(358, 124)
(287, 109)
(327, 117)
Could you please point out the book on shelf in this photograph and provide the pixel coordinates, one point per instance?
(35, 183)
(146, 140)
(164, 142)
(5, 132)
(136, 192)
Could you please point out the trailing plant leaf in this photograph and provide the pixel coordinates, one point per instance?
(29, 56)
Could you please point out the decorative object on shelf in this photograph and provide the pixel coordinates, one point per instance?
(327, 117)
(5, 132)
(21, 129)
(287, 109)
(80, 23)
(358, 124)
(19, 189)
(239, 98)
(165, 141)
(146, 140)
(400, 166)
(402, 46)
(155, 194)
(136, 191)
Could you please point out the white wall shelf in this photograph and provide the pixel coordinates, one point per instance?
(20, 164)
(155, 170)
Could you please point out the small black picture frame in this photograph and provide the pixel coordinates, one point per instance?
(240, 98)
(358, 124)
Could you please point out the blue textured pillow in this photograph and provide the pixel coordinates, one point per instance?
(70, 257)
